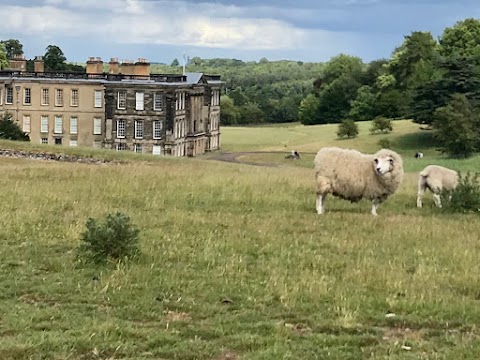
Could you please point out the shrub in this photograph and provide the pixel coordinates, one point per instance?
(9, 129)
(116, 238)
(347, 128)
(381, 124)
(385, 143)
(466, 196)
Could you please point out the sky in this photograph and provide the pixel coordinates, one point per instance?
(163, 30)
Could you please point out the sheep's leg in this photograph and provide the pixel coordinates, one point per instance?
(319, 205)
(375, 204)
(437, 200)
(421, 191)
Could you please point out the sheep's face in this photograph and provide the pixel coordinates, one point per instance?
(383, 164)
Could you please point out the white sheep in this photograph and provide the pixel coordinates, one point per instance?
(436, 178)
(352, 175)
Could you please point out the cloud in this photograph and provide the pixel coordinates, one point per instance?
(159, 22)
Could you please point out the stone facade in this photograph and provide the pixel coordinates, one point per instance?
(147, 113)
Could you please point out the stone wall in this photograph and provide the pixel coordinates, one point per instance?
(36, 155)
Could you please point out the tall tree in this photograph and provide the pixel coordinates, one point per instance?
(3, 57)
(12, 47)
(308, 113)
(463, 39)
(54, 58)
(175, 62)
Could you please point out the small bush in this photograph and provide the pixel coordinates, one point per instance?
(385, 143)
(465, 197)
(116, 238)
(347, 128)
(382, 125)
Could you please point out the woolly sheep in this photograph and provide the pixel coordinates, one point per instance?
(435, 178)
(352, 175)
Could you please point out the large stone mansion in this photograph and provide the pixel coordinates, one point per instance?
(124, 108)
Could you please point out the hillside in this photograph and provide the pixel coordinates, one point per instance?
(236, 263)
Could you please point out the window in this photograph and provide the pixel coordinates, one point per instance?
(73, 143)
(58, 97)
(74, 97)
(121, 146)
(157, 101)
(138, 148)
(58, 141)
(26, 123)
(122, 100)
(215, 97)
(27, 96)
(98, 99)
(157, 129)
(97, 126)
(139, 101)
(44, 124)
(138, 129)
(9, 95)
(121, 125)
(73, 125)
(45, 97)
(157, 150)
(44, 140)
(58, 128)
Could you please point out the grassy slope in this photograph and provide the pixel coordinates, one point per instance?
(236, 264)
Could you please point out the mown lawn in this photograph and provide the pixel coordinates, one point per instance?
(236, 265)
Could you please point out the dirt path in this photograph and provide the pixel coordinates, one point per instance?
(233, 157)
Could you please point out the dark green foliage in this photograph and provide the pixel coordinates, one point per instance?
(335, 99)
(250, 114)
(308, 113)
(114, 239)
(384, 143)
(465, 197)
(12, 47)
(382, 125)
(393, 104)
(347, 128)
(54, 59)
(10, 130)
(175, 62)
(229, 114)
(462, 39)
(457, 126)
(363, 107)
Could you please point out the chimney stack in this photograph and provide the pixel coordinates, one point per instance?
(94, 65)
(113, 66)
(38, 64)
(128, 67)
(18, 63)
(142, 67)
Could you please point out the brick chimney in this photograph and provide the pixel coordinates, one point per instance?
(127, 67)
(94, 65)
(113, 66)
(18, 63)
(38, 64)
(142, 67)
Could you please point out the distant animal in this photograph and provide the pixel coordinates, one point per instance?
(419, 155)
(293, 155)
(352, 175)
(436, 178)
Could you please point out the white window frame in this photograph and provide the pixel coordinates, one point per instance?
(121, 147)
(137, 147)
(97, 99)
(26, 123)
(122, 100)
(27, 95)
(44, 141)
(74, 99)
(121, 130)
(58, 97)
(157, 128)
(45, 94)
(73, 125)
(97, 126)
(157, 101)
(139, 129)
(44, 124)
(139, 101)
(58, 125)
(73, 143)
(9, 94)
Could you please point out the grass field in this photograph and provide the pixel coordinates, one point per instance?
(235, 264)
